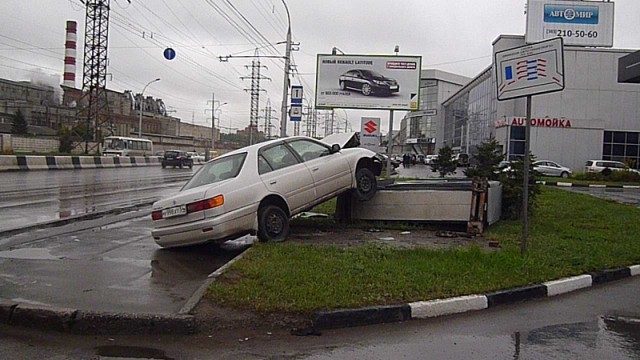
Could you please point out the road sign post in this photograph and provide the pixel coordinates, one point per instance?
(295, 113)
(523, 72)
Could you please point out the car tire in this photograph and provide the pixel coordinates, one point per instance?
(366, 89)
(366, 184)
(164, 165)
(191, 166)
(564, 174)
(180, 165)
(606, 172)
(273, 224)
(343, 85)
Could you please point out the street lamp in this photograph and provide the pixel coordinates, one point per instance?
(141, 101)
(285, 87)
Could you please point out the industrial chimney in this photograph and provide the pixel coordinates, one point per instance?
(69, 78)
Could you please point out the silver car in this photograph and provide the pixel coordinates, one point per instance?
(551, 168)
(256, 189)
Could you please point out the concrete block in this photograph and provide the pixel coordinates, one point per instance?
(8, 162)
(635, 270)
(433, 308)
(36, 162)
(562, 286)
(64, 162)
(90, 322)
(43, 317)
(87, 162)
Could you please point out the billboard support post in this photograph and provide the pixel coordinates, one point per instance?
(525, 185)
(389, 144)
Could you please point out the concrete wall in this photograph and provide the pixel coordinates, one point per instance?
(26, 162)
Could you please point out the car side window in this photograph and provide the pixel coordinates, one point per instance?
(279, 157)
(263, 165)
(309, 150)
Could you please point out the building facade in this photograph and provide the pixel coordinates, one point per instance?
(594, 117)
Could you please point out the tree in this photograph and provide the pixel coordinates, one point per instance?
(444, 163)
(19, 126)
(513, 188)
(487, 160)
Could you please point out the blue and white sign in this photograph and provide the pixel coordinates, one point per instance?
(169, 54)
(530, 69)
(296, 94)
(579, 23)
(295, 112)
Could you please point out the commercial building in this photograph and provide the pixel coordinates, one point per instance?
(594, 117)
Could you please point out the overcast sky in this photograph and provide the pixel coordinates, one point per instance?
(453, 36)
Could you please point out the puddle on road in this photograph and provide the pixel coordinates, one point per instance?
(29, 254)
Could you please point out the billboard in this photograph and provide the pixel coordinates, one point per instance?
(368, 82)
(530, 69)
(579, 23)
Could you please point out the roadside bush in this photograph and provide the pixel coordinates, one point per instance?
(486, 160)
(513, 189)
(444, 163)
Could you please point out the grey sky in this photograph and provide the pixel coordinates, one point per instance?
(453, 36)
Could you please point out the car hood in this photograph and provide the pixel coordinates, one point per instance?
(345, 140)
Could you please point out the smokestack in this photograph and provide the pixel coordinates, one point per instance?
(70, 55)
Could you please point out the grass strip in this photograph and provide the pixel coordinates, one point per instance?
(569, 234)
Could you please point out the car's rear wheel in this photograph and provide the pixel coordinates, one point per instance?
(273, 224)
(366, 184)
(366, 89)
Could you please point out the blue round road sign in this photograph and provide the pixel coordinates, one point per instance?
(169, 53)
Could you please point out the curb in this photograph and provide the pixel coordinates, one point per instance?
(592, 186)
(442, 307)
(93, 323)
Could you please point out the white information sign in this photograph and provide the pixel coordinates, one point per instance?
(370, 131)
(580, 23)
(530, 69)
(368, 82)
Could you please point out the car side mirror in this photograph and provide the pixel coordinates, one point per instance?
(335, 148)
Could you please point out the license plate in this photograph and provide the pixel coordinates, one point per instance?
(393, 87)
(174, 211)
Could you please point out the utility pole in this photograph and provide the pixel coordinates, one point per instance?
(267, 119)
(255, 94)
(285, 86)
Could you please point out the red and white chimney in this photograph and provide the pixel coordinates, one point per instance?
(69, 78)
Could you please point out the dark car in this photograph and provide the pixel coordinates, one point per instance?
(177, 158)
(368, 82)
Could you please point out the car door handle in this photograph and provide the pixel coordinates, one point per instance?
(273, 183)
(315, 169)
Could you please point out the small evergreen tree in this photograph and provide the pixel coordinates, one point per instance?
(486, 160)
(19, 126)
(513, 188)
(444, 163)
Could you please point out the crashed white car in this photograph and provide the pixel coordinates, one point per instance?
(257, 189)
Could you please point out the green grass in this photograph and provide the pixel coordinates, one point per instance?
(569, 234)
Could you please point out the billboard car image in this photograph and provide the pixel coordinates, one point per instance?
(368, 82)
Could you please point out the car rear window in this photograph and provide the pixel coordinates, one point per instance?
(221, 168)
(171, 153)
(589, 163)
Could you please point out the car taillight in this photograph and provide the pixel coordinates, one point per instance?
(156, 215)
(205, 204)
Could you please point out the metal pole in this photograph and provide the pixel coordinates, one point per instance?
(389, 143)
(141, 101)
(285, 86)
(213, 122)
(525, 185)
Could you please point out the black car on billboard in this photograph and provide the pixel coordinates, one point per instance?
(368, 82)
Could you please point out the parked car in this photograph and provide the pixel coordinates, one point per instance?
(197, 158)
(256, 189)
(428, 159)
(461, 159)
(606, 167)
(368, 82)
(177, 158)
(551, 168)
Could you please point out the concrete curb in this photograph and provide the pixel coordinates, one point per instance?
(443, 307)
(29, 162)
(592, 186)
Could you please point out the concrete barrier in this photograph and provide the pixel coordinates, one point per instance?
(32, 162)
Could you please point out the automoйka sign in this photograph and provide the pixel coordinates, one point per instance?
(536, 122)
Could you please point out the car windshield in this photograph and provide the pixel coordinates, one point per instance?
(217, 170)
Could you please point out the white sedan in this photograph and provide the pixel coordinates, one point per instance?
(551, 168)
(257, 189)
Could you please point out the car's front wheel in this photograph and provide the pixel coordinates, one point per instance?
(366, 184)
(273, 224)
(366, 89)
(343, 85)
(564, 174)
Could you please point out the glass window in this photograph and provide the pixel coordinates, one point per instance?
(632, 138)
(219, 169)
(619, 137)
(607, 136)
(279, 156)
(618, 150)
(263, 165)
(309, 150)
(518, 133)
